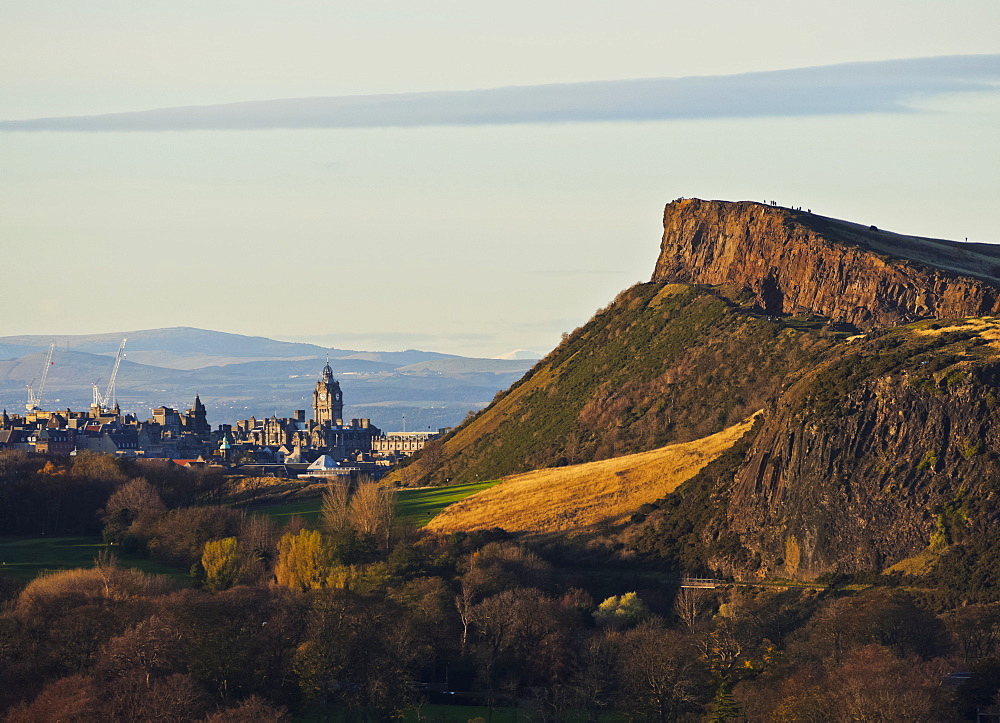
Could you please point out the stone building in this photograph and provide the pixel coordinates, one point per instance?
(64, 432)
(327, 430)
(193, 421)
(403, 443)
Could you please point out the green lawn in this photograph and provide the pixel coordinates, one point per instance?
(282, 511)
(25, 557)
(415, 507)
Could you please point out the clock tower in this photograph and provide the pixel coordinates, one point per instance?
(328, 400)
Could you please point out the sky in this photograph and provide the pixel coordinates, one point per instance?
(463, 177)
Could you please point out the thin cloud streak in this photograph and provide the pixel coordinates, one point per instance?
(851, 88)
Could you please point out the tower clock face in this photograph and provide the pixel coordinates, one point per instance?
(322, 397)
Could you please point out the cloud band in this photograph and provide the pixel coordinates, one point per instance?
(884, 86)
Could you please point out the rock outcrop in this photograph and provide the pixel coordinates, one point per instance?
(795, 262)
(860, 460)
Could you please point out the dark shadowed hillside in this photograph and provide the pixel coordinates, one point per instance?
(885, 451)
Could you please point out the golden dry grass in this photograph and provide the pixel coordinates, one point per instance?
(572, 499)
(919, 564)
(987, 327)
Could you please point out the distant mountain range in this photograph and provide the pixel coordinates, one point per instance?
(238, 376)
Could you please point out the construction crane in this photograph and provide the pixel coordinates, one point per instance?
(102, 402)
(35, 398)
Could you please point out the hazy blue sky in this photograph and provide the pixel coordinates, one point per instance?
(508, 179)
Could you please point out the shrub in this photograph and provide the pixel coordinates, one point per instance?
(622, 611)
(102, 582)
(305, 560)
(221, 563)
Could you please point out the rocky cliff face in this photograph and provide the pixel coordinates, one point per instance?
(794, 261)
(886, 450)
(860, 462)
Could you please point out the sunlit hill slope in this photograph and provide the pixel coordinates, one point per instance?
(578, 497)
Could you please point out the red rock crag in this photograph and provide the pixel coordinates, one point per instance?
(796, 262)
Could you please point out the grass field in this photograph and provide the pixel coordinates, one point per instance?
(418, 507)
(26, 557)
(415, 507)
(574, 498)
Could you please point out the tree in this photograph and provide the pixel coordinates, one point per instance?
(372, 509)
(132, 508)
(336, 514)
(874, 684)
(725, 707)
(690, 604)
(520, 638)
(102, 467)
(221, 563)
(257, 538)
(500, 566)
(877, 616)
(356, 652)
(154, 647)
(254, 709)
(180, 535)
(975, 630)
(74, 698)
(305, 560)
(661, 673)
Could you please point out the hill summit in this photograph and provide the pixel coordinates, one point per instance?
(796, 261)
(875, 360)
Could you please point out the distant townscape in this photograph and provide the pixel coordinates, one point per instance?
(323, 446)
(241, 376)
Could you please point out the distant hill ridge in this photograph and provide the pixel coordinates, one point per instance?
(181, 342)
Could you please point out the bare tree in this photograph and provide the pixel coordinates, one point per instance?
(258, 542)
(661, 673)
(464, 603)
(372, 509)
(690, 604)
(336, 509)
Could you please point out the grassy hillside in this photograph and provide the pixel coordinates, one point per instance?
(574, 498)
(663, 363)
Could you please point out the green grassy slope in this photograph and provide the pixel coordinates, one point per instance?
(415, 507)
(663, 363)
(25, 557)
